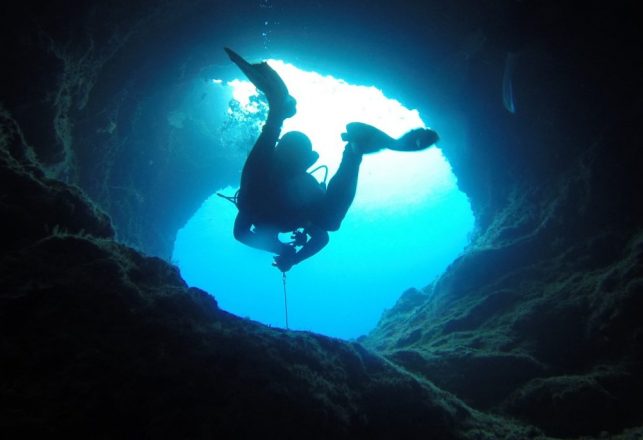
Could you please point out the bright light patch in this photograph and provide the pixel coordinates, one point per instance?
(242, 91)
(326, 104)
(407, 223)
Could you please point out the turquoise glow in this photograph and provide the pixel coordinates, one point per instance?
(408, 222)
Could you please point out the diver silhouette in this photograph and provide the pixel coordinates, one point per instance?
(277, 194)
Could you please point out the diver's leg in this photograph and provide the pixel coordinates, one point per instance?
(257, 168)
(268, 81)
(264, 238)
(341, 190)
(281, 106)
(258, 162)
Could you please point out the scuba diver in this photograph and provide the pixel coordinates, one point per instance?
(277, 194)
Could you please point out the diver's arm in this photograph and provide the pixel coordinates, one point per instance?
(259, 239)
(318, 239)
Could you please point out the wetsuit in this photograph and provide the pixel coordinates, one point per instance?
(273, 201)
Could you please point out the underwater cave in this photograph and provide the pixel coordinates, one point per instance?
(487, 287)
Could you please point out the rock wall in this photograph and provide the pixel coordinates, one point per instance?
(539, 318)
(533, 331)
(100, 341)
(93, 90)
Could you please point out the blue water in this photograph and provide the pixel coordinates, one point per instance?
(343, 290)
(407, 223)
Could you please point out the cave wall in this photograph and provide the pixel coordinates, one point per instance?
(93, 88)
(101, 341)
(536, 321)
(539, 318)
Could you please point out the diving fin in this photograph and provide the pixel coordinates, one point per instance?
(267, 81)
(366, 137)
(416, 140)
(370, 139)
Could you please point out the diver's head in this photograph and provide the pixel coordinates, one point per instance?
(294, 152)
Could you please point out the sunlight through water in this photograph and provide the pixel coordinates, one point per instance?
(408, 221)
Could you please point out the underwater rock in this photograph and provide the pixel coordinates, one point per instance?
(534, 317)
(480, 377)
(538, 321)
(100, 341)
(36, 207)
(576, 405)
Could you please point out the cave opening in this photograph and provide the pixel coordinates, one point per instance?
(407, 223)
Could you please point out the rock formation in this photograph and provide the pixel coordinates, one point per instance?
(534, 331)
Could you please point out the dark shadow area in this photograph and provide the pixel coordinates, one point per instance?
(535, 331)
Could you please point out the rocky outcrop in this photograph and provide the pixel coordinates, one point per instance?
(538, 319)
(102, 108)
(551, 343)
(35, 206)
(101, 341)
